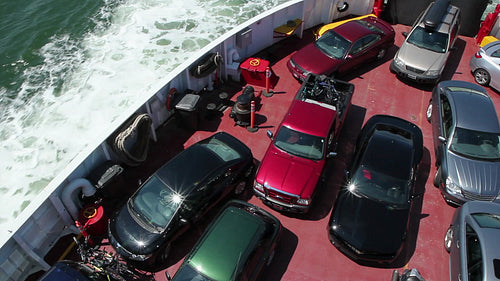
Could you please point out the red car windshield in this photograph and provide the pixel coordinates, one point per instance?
(300, 144)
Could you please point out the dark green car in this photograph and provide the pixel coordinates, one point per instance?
(238, 244)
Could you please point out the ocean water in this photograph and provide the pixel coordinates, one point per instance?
(69, 68)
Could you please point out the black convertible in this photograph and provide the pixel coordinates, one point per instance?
(370, 217)
(177, 194)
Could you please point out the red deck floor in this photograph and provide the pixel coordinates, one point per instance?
(304, 252)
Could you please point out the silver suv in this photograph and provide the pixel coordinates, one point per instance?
(423, 54)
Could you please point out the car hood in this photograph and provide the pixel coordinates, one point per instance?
(131, 235)
(370, 226)
(289, 173)
(477, 177)
(421, 58)
(313, 60)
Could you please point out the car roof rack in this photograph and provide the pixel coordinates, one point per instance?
(435, 14)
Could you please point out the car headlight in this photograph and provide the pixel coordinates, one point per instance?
(302, 201)
(453, 188)
(399, 62)
(433, 72)
(258, 186)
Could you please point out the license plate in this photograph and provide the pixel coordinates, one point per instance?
(411, 76)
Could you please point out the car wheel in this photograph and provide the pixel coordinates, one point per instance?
(448, 239)
(437, 177)
(381, 53)
(428, 112)
(482, 76)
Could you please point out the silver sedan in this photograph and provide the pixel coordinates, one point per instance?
(485, 65)
(472, 241)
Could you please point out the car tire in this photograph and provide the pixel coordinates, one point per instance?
(448, 239)
(428, 112)
(482, 76)
(381, 53)
(437, 177)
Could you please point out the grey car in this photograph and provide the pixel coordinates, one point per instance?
(473, 242)
(485, 65)
(423, 54)
(466, 135)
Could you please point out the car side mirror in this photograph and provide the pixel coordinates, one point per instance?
(183, 221)
(331, 154)
(269, 134)
(168, 275)
(442, 139)
(404, 34)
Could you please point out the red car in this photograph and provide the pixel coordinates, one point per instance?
(343, 48)
(293, 164)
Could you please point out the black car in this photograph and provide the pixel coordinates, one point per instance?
(370, 217)
(177, 194)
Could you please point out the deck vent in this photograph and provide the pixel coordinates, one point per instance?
(435, 14)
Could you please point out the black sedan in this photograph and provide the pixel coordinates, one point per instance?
(370, 217)
(177, 194)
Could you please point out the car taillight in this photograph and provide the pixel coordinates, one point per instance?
(477, 55)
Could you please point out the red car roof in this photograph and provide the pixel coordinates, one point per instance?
(352, 30)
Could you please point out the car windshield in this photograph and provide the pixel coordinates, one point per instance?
(333, 45)
(156, 203)
(300, 144)
(379, 186)
(486, 220)
(434, 41)
(475, 144)
(189, 273)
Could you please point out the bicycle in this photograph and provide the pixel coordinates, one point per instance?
(108, 264)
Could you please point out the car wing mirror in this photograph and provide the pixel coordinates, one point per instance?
(183, 221)
(442, 139)
(404, 34)
(331, 154)
(168, 275)
(269, 134)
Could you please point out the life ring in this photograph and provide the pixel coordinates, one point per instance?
(254, 62)
(170, 98)
(206, 65)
